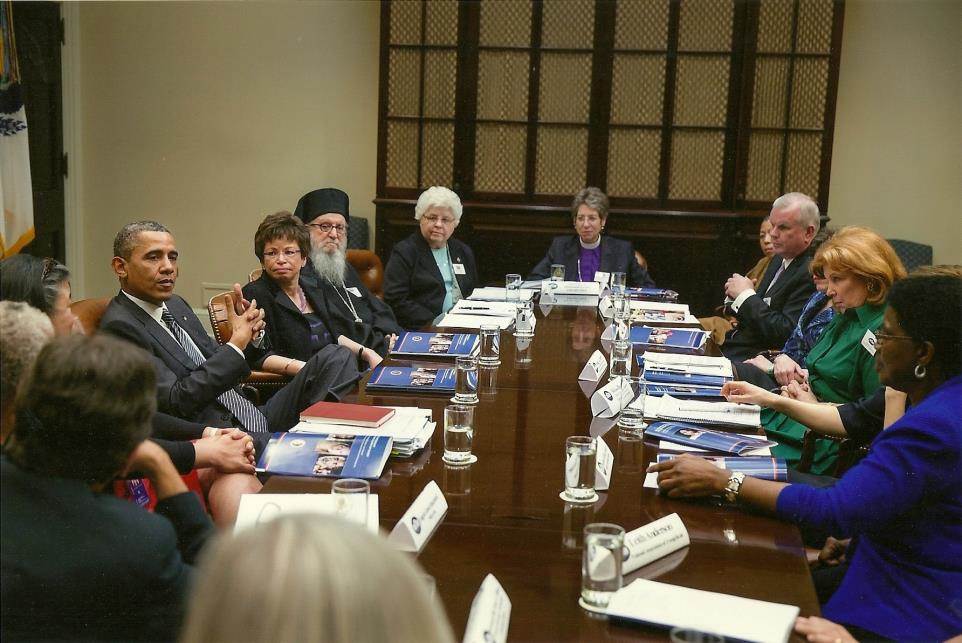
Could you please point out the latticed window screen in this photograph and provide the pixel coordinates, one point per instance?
(706, 103)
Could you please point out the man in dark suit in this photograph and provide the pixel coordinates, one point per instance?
(767, 313)
(589, 251)
(197, 379)
(350, 308)
(79, 564)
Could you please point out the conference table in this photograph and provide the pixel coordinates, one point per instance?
(505, 516)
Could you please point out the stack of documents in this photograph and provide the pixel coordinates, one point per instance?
(471, 313)
(488, 293)
(726, 414)
(655, 313)
(684, 375)
(411, 428)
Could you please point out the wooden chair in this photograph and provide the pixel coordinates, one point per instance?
(90, 312)
(367, 264)
(849, 453)
(218, 308)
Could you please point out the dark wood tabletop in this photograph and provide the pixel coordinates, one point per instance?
(505, 516)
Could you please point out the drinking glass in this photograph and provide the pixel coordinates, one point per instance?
(512, 287)
(458, 434)
(601, 563)
(351, 498)
(621, 313)
(620, 360)
(522, 352)
(580, 455)
(524, 320)
(618, 284)
(632, 417)
(466, 380)
(557, 272)
(490, 354)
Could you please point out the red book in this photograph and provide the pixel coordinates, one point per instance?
(340, 413)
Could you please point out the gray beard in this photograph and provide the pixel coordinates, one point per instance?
(330, 267)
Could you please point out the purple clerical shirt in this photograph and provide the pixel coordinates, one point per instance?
(589, 262)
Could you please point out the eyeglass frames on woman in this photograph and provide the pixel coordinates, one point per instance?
(433, 218)
(885, 337)
(327, 227)
(288, 254)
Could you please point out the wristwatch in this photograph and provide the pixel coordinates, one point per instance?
(734, 486)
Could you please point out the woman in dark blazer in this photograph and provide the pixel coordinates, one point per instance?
(589, 251)
(297, 319)
(429, 271)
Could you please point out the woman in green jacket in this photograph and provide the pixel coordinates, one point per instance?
(860, 267)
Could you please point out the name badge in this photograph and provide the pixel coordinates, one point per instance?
(458, 268)
(870, 342)
(354, 291)
(420, 520)
(595, 368)
(611, 398)
(602, 278)
(604, 460)
(490, 614)
(652, 541)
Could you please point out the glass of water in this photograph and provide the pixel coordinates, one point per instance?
(601, 563)
(458, 434)
(466, 380)
(522, 352)
(620, 360)
(512, 287)
(621, 312)
(618, 284)
(351, 498)
(631, 421)
(580, 456)
(557, 272)
(490, 354)
(524, 319)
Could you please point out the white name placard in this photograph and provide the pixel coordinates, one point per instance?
(490, 614)
(604, 460)
(257, 508)
(420, 520)
(611, 398)
(652, 541)
(595, 368)
(605, 307)
(602, 278)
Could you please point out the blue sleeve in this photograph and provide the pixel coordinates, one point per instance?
(904, 465)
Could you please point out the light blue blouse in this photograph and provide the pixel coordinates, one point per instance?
(444, 265)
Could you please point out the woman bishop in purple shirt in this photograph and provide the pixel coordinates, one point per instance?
(589, 250)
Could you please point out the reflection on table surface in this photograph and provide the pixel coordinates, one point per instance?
(505, 516)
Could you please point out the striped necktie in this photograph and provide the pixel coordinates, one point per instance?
(246, 413)
(778, 273)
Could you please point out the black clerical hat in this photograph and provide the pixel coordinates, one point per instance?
(318, 202)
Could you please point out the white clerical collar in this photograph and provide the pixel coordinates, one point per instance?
(151, 309)
(590, 246)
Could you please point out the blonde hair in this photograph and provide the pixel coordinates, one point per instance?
(863, 253)
(309, 578)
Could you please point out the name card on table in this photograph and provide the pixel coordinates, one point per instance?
(606, 308)
(611, 398)
(420, 520)
(602, 278)
(257, 508)
(604, 460)
(490, 614)
(654, 540)
(595, 368)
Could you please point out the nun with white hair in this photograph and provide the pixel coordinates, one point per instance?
(429, 271)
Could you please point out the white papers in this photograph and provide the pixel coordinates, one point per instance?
(733, 617)
(256, 508)
(453, 320)
(485, 308)
(658, 305)
(420, 520)
(407, 423)
(489, 293)
(669, 408)
(654, 540)
(611, 398)
(490, 614)
(595, 368)
(604, 460)
(692, 364)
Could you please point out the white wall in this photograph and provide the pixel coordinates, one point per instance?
(898, 125)
(208, 116)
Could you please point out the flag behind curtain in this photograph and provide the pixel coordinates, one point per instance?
(16, 228)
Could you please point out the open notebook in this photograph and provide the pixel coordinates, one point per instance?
(728, 414)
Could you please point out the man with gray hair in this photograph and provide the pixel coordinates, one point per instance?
(24, 330)
(768, 312)
(351, 308)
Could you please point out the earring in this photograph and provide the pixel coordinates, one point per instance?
(919, 372)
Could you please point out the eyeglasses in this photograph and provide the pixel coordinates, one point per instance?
(288, 254)
(885, 337)
(327, 227)
(433, 218)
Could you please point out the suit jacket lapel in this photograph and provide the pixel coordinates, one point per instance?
(161, 336)
(606, 261)
(571, 256)
(428, 257)
(773, 267)
(785, 277)
(457, 257)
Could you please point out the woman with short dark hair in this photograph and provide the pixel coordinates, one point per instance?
(903, 501)
(589, 251)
